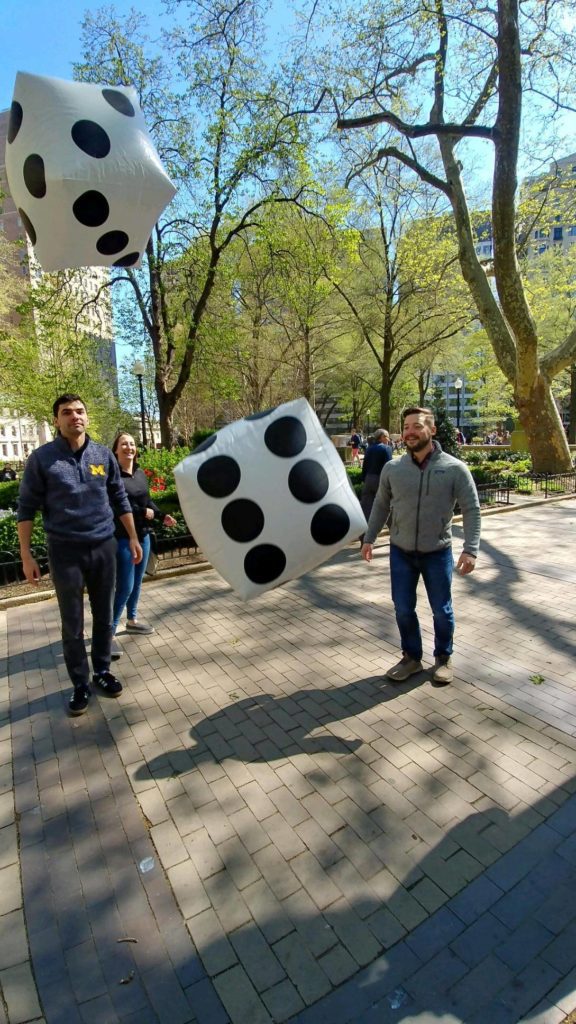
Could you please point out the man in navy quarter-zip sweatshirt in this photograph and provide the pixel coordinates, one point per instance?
(418, 493)
(77, 485)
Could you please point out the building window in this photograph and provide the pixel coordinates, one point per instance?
(14, 432)
(572, 230)
(15, 450)
(558, 234)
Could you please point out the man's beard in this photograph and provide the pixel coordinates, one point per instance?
(418, 444)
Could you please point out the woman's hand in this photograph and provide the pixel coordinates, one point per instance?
(169, 521)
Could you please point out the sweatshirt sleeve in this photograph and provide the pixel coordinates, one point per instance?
(470, 507)
(380, 508)
(31, 492)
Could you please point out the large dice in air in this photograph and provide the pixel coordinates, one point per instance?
(267, 498)
(83, 172)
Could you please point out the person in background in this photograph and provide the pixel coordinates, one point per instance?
(7, 474)
(128, 575)
(77, 484)
(419, 492)
(355, 441)
(378, 453)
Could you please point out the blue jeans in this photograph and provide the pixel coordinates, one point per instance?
(436, 569)
(129, 578)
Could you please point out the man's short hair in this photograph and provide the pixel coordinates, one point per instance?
(419, 410)
(380, 433)
(64, 399)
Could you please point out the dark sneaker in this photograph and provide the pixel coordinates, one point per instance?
(139, 627)
(443, 671)
(405, 668)
(78, 703)
(108, 683)
(116, 651)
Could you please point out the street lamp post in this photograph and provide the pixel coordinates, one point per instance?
(458, 387)
(139, 370)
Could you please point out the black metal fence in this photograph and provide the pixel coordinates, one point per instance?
(169, 546)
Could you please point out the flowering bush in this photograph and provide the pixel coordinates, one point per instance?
(157, 482)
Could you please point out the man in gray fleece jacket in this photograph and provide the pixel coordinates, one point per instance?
(416, 496)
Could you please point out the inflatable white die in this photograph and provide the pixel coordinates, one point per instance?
(268, 498)
(83, 172)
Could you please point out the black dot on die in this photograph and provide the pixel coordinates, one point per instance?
(91, 209)
(15, 122)
(112, 242)
(242, 520)
(260, 415)
(219, 476)
(119, 101)
(91, 139)
(207, 443)
(329, 524)
(285, 437)
(35, 175)
(28, 226)
(308, 481)
(264, 563)
(127, 261)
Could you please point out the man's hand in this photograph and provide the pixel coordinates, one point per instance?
(366, 552)
(31, 569)
(466, 564)
(169, 521)
(136, 551)
(149, 513)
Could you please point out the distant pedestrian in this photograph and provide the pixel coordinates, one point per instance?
(7, 474)
(77, 485)
(128, 575)
(378, 453)
(356, 442)
(418, 493)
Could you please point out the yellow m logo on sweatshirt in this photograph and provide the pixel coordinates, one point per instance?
(97, 470)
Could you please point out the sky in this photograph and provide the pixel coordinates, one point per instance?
(43, 36)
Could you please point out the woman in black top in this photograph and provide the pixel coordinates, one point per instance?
(129, 576)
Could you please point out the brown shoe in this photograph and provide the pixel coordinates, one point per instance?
(405, 668)
(443, 671)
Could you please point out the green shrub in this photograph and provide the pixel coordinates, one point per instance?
(9, 494)
(200, 435)
(9, 534)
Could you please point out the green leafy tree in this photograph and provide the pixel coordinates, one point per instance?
(231, 140)
(50, 349)
(453, 72)
(402, 294)
(445, 430)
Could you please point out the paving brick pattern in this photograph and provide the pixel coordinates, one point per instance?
(323, 846)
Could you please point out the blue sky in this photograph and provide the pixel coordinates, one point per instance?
(43, 36)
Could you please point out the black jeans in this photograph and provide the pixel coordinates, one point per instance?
(73, 567)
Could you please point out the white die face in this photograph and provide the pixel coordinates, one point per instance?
(83, 172)
(268, 498)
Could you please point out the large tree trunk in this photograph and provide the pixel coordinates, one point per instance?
(166, 413)
(541, 422)
(572, 405)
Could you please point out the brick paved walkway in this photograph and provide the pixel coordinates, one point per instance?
(263, 829)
